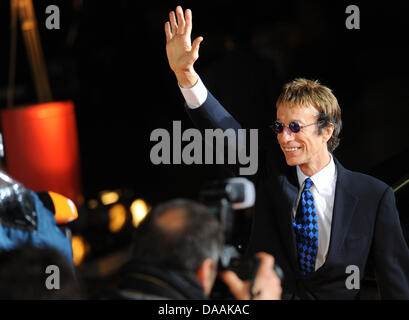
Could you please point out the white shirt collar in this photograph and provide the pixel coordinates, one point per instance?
(322, 179)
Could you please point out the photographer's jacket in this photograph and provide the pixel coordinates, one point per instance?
(143, 282)
(365, 222)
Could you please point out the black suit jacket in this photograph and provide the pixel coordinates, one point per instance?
(365, 223)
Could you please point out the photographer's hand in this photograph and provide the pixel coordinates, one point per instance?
(181, 53)
(267, 285)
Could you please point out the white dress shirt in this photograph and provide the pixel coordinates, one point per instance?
(322, 189)
(196, 95)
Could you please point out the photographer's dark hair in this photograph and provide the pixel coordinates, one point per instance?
(178, 235)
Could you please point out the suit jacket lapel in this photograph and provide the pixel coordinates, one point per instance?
(344, 208)
(290, 189)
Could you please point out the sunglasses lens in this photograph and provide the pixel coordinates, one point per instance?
(294, 126)
(278, 127)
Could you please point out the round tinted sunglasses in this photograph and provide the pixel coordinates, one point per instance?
(294, 126)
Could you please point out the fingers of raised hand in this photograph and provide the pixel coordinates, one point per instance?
(181, 20)
(178, 25)
(173, 23)
(188, 26)
(168, 31)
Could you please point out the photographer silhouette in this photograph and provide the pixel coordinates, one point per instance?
(176, 253)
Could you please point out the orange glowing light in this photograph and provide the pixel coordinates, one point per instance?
(117, 217)
(139, 209)
(79, 249)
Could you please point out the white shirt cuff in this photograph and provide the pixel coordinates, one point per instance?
(196, 95)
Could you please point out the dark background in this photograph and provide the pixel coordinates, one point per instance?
(109, 58)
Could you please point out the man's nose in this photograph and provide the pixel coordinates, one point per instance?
(286, 136)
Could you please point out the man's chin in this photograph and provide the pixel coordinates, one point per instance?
(292, 161)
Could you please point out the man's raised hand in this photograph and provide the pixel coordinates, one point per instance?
(181, 53)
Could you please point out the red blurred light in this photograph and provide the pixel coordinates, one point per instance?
(41, 147)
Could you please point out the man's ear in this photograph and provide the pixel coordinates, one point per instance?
(206, 275)
(327, 132)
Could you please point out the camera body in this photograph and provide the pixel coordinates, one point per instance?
(227, 199)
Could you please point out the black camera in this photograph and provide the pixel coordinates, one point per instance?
(228, 199)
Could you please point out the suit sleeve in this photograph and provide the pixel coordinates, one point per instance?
(390, 251)
(212, 115)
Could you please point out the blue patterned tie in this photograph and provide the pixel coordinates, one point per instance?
(306, 230)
